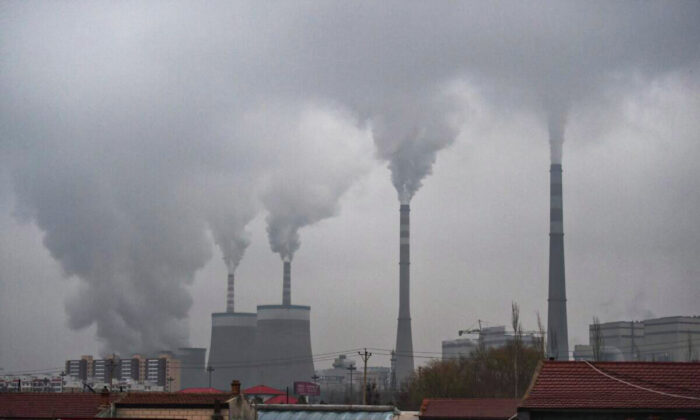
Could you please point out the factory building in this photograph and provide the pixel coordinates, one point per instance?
(343, 381)
(270, 347)
(489, 337)
(668, 339)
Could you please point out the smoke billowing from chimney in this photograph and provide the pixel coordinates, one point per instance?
(305, 188)
(410, 132)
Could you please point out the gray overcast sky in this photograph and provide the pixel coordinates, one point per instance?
(135, 137)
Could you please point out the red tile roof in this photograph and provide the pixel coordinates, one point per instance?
(167, 399)
(610, 385)
(469, 408)
(200, 391)
(281, 399)
(49, 405)
(262, 390)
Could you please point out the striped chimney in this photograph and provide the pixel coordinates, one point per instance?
(229, 294)
(557, 329)
(287, 283)
(404, 339)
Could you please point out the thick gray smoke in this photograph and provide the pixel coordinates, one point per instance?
(114, 115)
(228, 220)
(304, 189)
(410, 133)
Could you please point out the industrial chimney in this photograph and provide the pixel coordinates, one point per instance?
(404, 339)
(287, 283)
(229, 294)
(557, 330)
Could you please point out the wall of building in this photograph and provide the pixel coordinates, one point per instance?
(169, 413)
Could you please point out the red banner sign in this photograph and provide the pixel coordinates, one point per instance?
(307, 388)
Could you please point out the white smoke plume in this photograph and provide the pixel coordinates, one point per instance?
(305, 189)
(110, 110)
(228, 220)
(410, 133)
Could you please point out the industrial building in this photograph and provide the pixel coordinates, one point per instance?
(271, 346)
(489, 337)
(344, 380)
(668, 339)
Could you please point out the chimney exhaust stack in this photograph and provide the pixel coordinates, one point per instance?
(229, 294)
(557, 327)
(287, 284)
(404, 338)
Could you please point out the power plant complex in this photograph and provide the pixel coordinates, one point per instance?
(271, 347)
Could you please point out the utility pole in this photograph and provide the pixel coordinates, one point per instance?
(111, 370)
(365, 357)
(210, 369)
(351, 369)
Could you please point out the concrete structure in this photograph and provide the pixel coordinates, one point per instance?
(232, 348)
(31, 383)
(287, 283)
(404, 338)
(489, 337)
(192, 367)
(154, 373)
(557, 326)
(335, 382)
(668, 339)
(229, 294)
(283, 345)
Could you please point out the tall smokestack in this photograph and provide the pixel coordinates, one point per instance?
(557, 330)
(287, 283)
(229, 294)
(404, 338)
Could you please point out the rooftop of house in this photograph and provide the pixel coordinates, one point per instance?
(469, 408)
(51, 405)
(614, 385)
(177, 400)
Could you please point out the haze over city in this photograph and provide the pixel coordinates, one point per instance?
(147, 149)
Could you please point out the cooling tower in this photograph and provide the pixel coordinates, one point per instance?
(557, 330)
(404, 339)
(232, 349)
(283, 345)
(192, 364)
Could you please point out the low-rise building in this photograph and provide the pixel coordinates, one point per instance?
(468, 408)
(668, 339)
(613, 390)
(488, 337)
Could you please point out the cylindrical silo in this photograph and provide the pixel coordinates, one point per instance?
(283, 345)
(192, 365)
(232, 349)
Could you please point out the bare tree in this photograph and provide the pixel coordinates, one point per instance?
(541, 339)
(517, 333)
(597, 340)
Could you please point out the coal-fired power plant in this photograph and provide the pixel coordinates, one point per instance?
(557, 330)
(192, 362)
(232, 347)
(404, 338)
(283, 345)
(271, 347)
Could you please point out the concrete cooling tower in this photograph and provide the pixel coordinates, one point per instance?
(283, 345)
(232, 349)
(192, 364)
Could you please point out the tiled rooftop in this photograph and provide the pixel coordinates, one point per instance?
(469, 408)
(49, 405)
(166, 399)
(600, 385)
